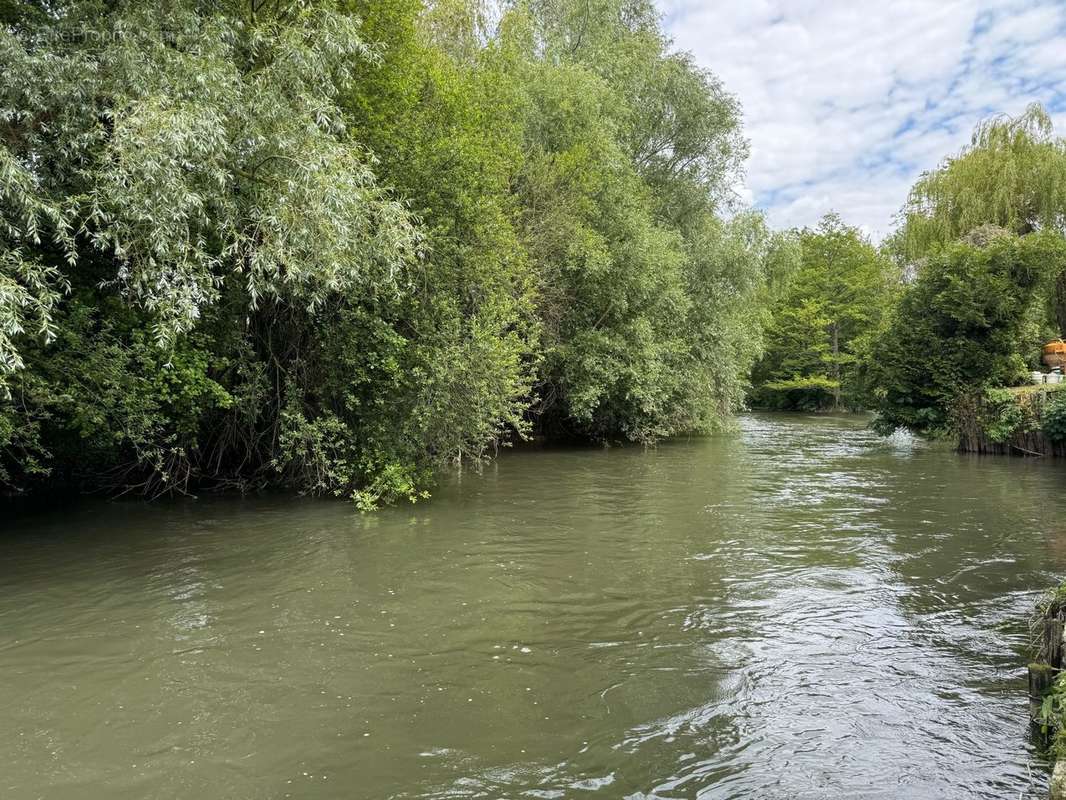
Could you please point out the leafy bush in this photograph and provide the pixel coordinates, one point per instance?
(1003, 413)
(1053, 421)
(955, 332)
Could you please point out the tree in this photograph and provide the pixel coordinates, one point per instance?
(955, 332)
(175, 177)
(824, 321)
(248, 244)
(645, 292)
(1011, 176)
(189, 150)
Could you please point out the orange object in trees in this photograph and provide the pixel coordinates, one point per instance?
(1055, 354)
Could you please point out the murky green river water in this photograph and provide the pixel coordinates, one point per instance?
(802, 610)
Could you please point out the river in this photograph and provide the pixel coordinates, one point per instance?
(800, 609)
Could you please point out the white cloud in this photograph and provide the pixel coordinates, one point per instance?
(846, 102)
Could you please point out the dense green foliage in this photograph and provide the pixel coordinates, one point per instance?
(1012, 176)
(1053, 419)
(824, 321)
(983, 234)
(957, 329)
(334, 245)
(930, 329)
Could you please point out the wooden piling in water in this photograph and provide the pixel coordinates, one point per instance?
(1041, 676)
(1052, 640)
(1044, 671)
(1058, 781)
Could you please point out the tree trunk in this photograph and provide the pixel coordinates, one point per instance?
(1059, 301)
(835, 330)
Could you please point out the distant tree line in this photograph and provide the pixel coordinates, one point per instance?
(954, 304)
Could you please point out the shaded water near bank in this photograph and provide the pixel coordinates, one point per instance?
(799, 610)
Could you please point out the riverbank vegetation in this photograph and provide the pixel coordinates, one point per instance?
(985, 236)
(1047, 681)
(333, 245)
(932, 329)
(824, 321)
(961, 329)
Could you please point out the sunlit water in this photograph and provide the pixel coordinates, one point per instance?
(800, 610)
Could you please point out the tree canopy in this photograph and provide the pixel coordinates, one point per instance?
(949, 311)
(1012, 175)
(333, 245)
(956, 331)
(984, 237)
(824, 321)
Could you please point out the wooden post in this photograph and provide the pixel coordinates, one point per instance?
(1058, 781)
(1053, 641)
(1041, 676)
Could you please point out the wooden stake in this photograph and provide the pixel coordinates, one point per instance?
(1053, 641)
(1041, 676)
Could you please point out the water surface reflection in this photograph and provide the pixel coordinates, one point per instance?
(800, 610)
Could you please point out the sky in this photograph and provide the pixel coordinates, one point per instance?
(847, 102)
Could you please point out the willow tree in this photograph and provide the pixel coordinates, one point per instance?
(191, 147)
(1011, 176)
(157, 159)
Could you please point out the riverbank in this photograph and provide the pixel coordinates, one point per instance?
(1047, 685)
(1019, 421)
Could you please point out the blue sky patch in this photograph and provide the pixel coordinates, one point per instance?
(846, 103)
